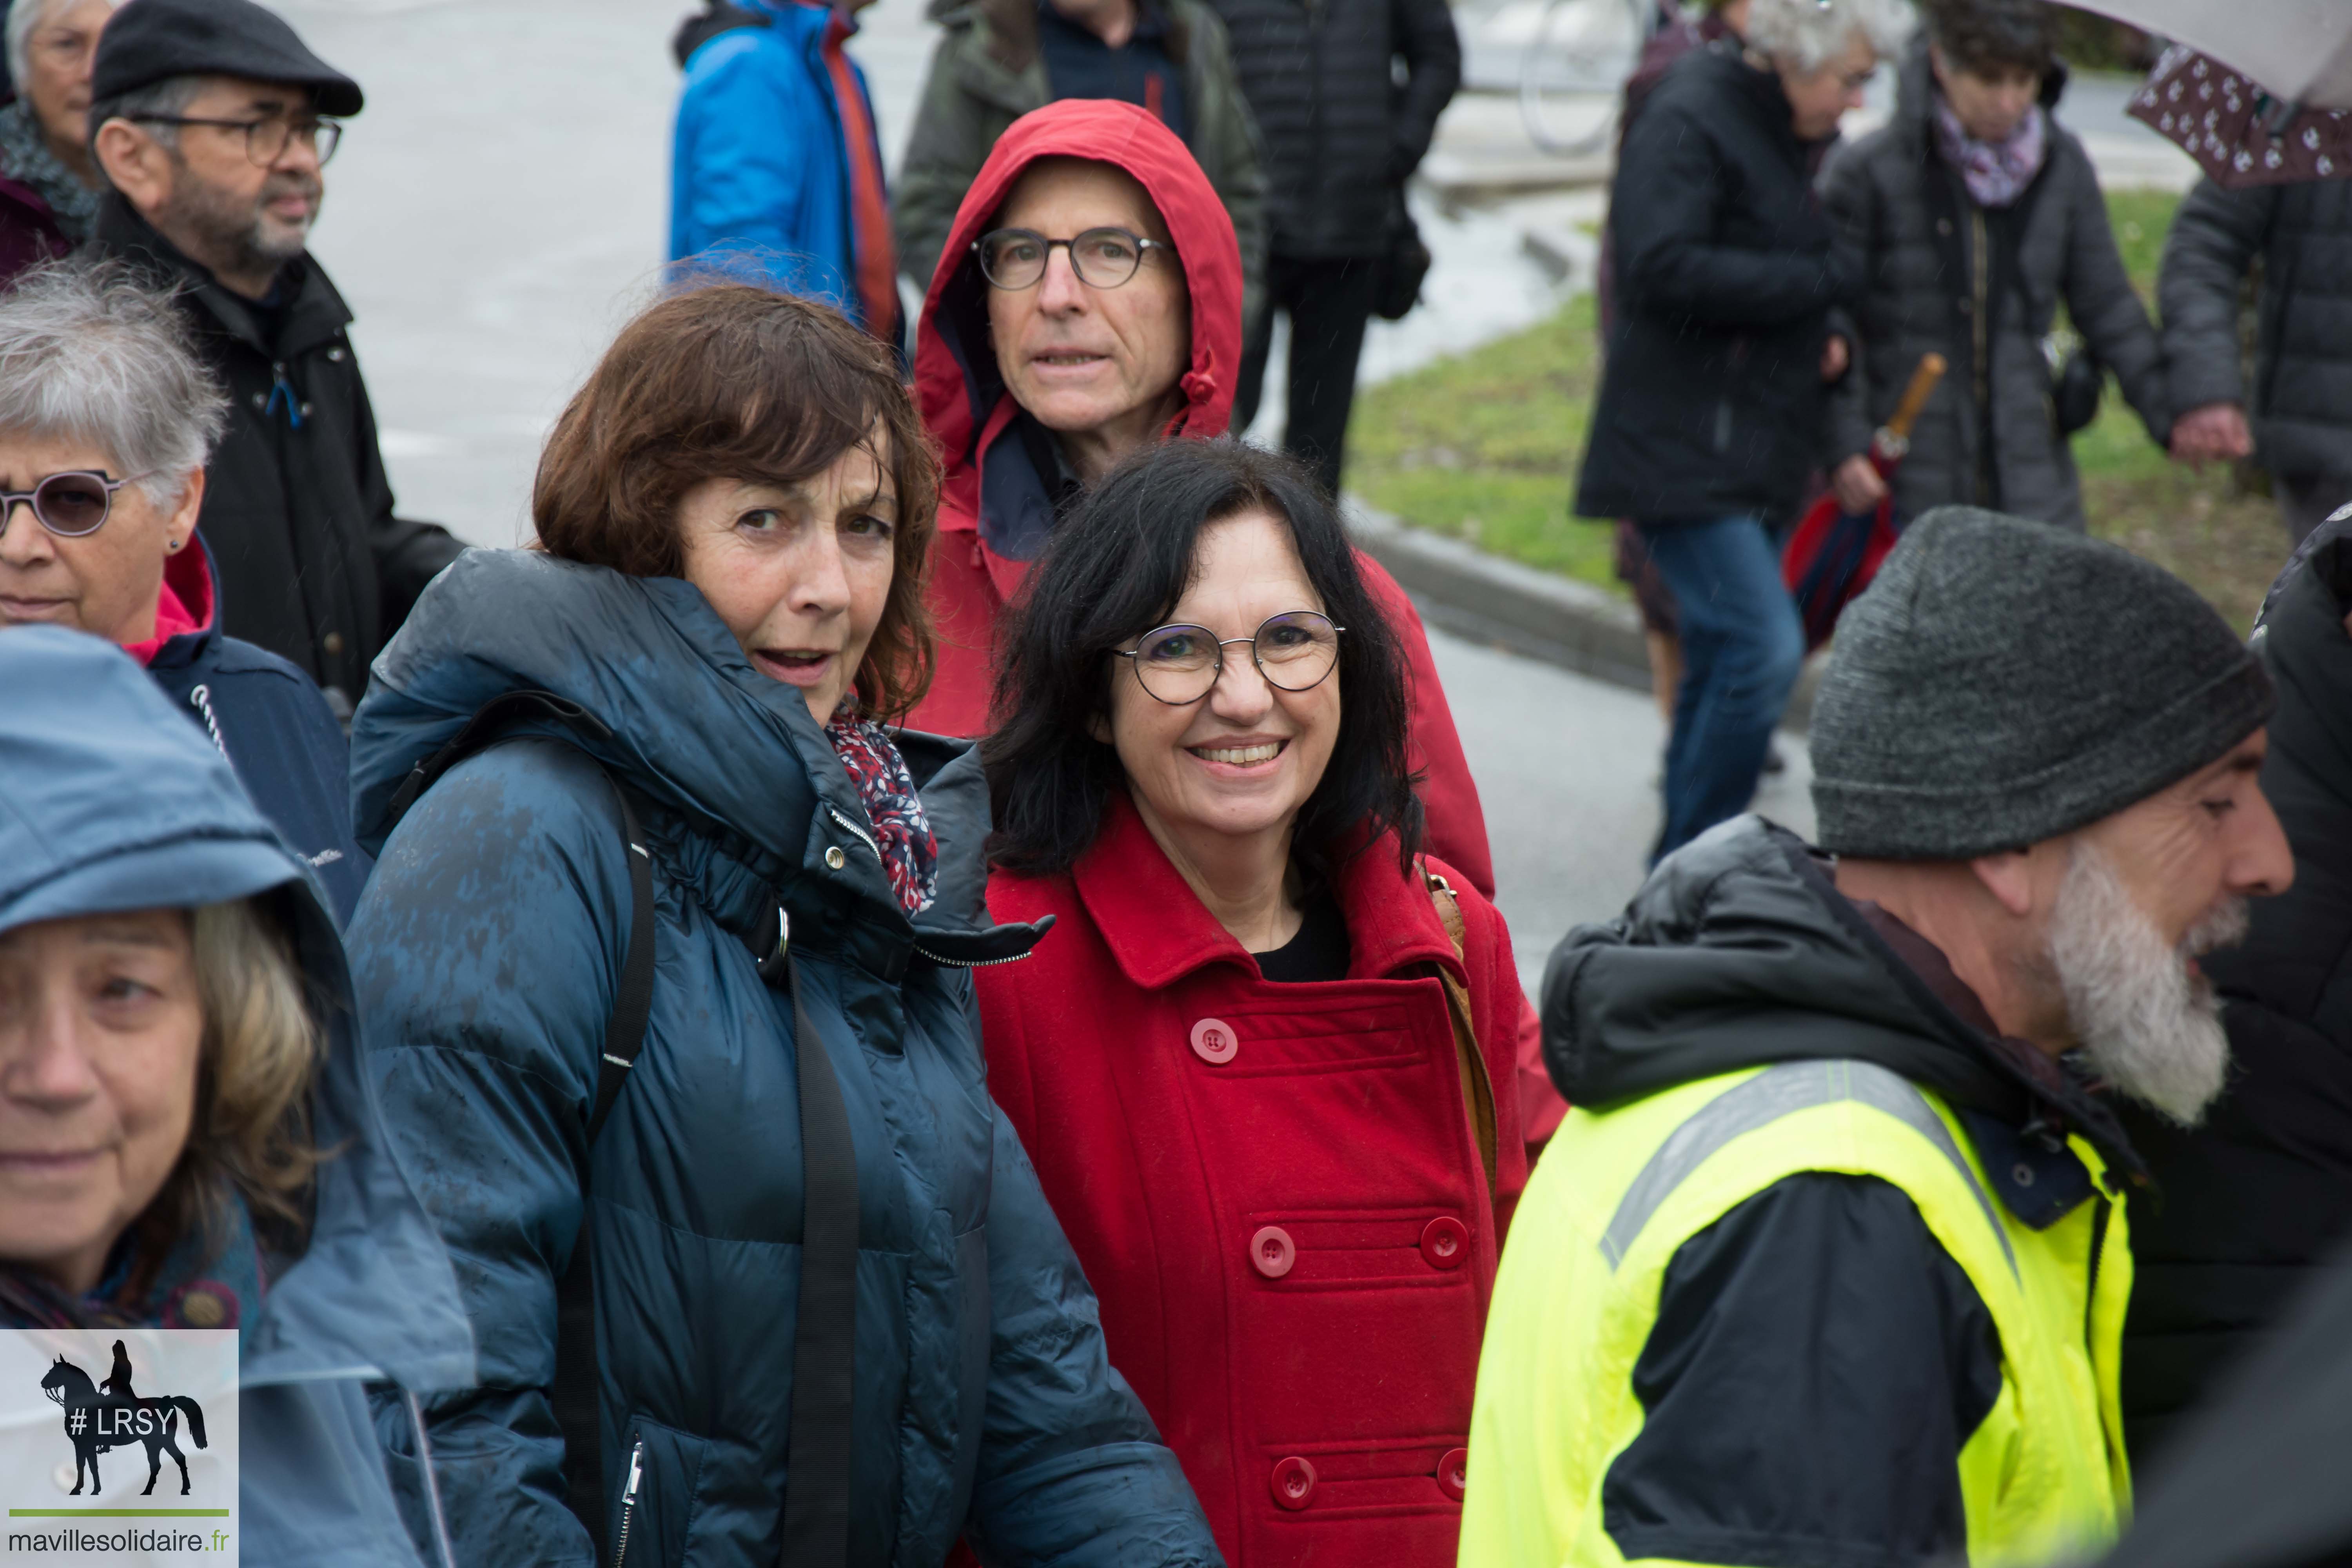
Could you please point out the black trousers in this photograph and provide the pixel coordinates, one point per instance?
(1329, 301)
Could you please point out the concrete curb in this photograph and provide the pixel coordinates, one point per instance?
(1533, 614)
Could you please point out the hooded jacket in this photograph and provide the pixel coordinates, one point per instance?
(1817, 1325)
(370, 1298)
(487, 952)
(990, 70)
(1917, 237)
(268, 719)
(758, 158)
(298, 510)
(996, 509)
(2257, 1200)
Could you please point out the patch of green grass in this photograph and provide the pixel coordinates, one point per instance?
(1483, 445)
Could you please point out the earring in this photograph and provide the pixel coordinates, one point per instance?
(174, 544)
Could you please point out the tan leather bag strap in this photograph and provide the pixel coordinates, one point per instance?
(1477, 1089)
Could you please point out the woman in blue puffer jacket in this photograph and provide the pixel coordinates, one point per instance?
(730, 512)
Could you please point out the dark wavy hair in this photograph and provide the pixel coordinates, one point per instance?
(1115, 569)
(1987, 37)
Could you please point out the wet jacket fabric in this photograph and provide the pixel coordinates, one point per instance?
(996, 509)
(269, 721)
(1981, 286)
(297, 511)
(988, 70)
(757, 160)
(2300, 399)
(1795, 1282)
(486, 953)
(1341, 136)
(370, 1296)
(2252, 1206)
(1711, 400)
(1187, 1115)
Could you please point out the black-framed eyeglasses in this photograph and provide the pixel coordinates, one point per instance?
(1014, 259)
(266, 139)
(1296, 651)
(69, 505)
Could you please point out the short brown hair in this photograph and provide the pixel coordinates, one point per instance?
(731, 381)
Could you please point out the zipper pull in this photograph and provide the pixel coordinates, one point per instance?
(636, 1471)
(629, 1503)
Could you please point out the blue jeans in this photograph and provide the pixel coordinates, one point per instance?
(1742, 647)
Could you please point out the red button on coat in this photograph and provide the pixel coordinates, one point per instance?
(1294, 1482)
(1214, 1042)
(1272, 1254)
(1453, 1473)
(1446, 1242)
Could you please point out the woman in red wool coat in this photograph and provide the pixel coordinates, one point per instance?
(1263, 1061)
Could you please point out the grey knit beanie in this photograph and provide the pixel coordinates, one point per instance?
(2004, 681)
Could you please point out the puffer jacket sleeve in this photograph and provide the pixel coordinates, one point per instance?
(1849, 197)
(1072, 1471)
(2105, 307)
(2215, 236)
(1427, 37)
(484, 959)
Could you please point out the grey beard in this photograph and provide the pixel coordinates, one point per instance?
(235, 239)
(2152, 1026)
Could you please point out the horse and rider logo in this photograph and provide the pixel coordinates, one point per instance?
(111, 1415)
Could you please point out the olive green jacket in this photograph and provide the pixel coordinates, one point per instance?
(989, 71)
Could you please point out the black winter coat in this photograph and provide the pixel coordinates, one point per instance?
(1711, 403)
(2302, 394)
(1989, 435)
(1340, 135)
(2251, 1204)
(297, 511)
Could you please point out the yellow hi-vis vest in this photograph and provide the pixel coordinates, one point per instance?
(1618, 1192)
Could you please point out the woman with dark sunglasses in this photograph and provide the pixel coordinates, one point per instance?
(106, 418)
(1264, 1063)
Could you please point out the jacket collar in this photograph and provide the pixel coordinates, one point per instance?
(1160, 931)
(191, 587)
(314, 311)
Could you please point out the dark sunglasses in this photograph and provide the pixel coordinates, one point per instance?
(69, 505)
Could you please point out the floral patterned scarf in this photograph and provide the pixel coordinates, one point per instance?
(1996, 173)
(909, 853)
(203, 1282)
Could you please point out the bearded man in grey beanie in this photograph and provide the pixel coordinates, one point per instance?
(1829, 1262)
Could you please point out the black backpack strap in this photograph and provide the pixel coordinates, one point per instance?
(824, 1339)
(624, 1031)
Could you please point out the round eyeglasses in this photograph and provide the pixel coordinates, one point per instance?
(266, 139)
(1296, 651)
(69, 504)
(1014, 259)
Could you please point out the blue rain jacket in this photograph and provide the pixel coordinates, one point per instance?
(115, 802)
(758, 168)
(489, 948)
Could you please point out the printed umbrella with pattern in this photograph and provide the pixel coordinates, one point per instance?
(2240, 132)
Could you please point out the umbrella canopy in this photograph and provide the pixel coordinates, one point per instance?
(2238, 132)
(2301, 51)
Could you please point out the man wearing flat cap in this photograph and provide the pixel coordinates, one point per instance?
(1829, 1265)
(212, 122)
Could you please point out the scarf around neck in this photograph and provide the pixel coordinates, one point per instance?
(910, 855)
(26, 158)
(1996, 173)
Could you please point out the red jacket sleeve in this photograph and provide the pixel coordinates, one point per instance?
(1457, 825)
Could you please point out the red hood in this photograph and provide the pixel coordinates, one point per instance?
(956, 380)
(185, 606)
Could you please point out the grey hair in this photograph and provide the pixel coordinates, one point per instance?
(1808, 34)
(91, 353)
(166, 98)
(22, 17)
